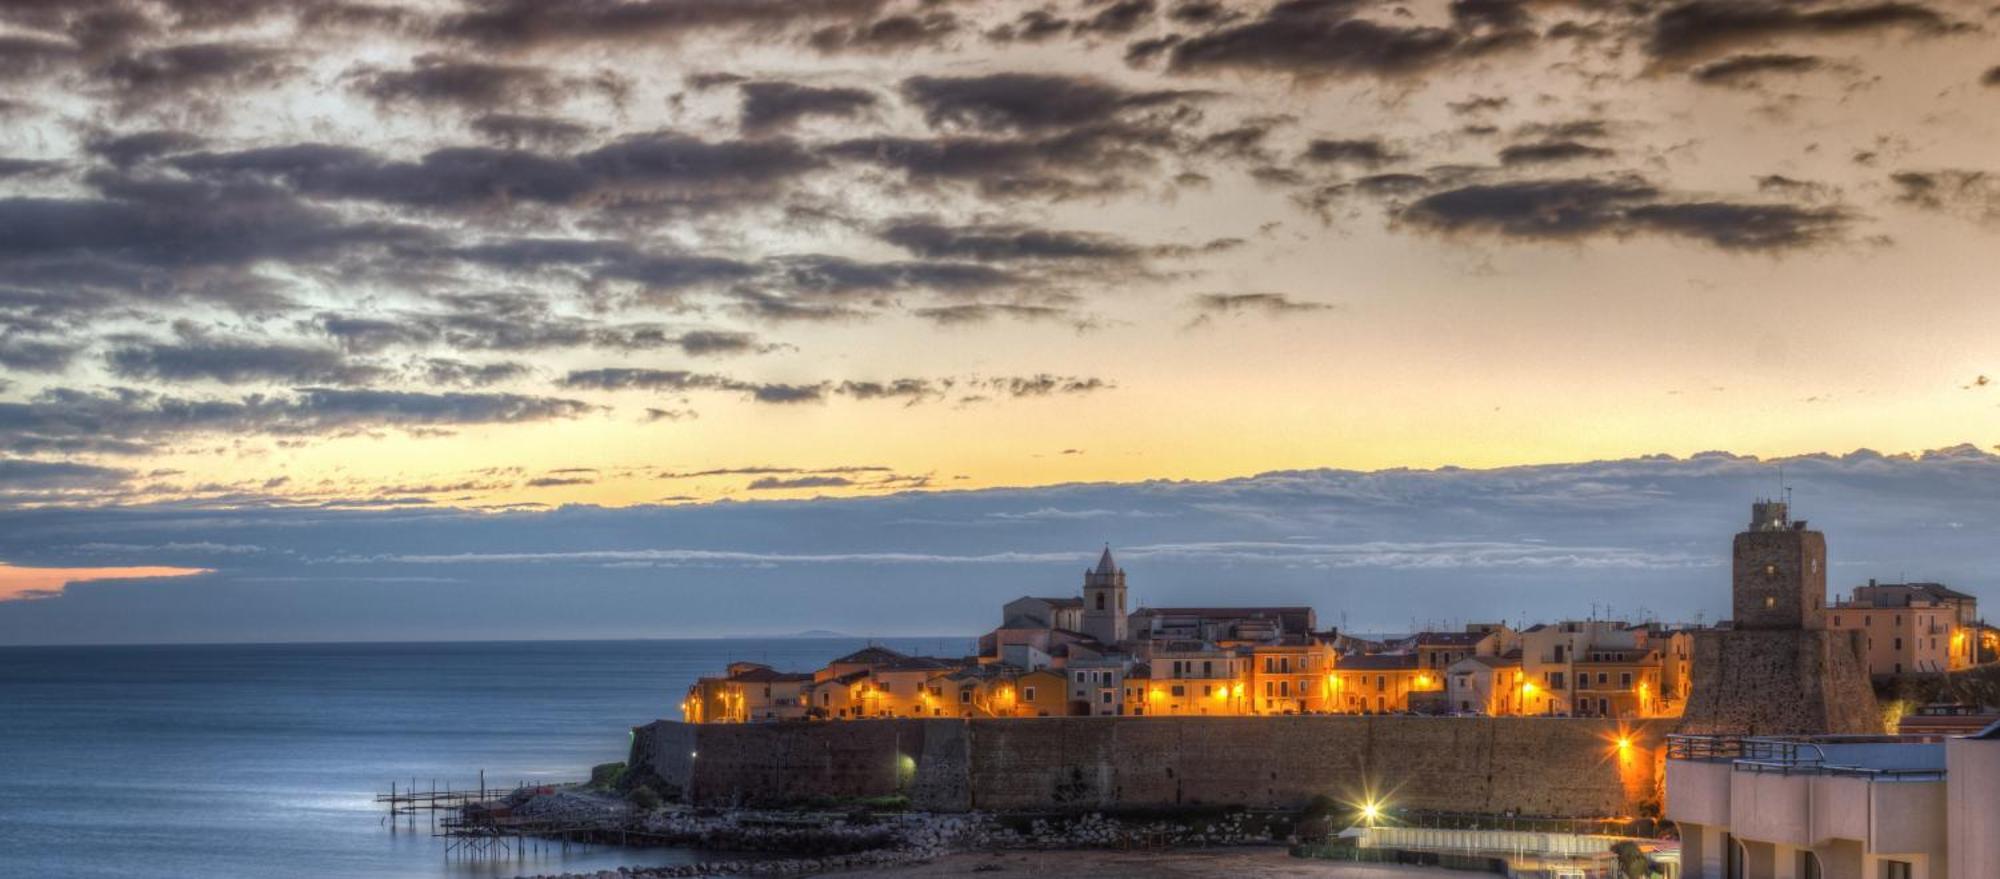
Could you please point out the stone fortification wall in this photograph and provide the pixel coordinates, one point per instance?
(1780, 683)
(1532, 766)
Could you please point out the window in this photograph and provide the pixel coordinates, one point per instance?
(1381, 683)
(1100, 601)
(1809, 866)
(1028, 694)
(1207, 690)
(1625, 680)
(1270, 688)
(1105, 697)
(1583, 682)
(1284, 688)
(1208, 668)
(1895, 870)
(1770, 601)
(1179, 691)
(965, 697)
(1899, 643)
(1603, 678)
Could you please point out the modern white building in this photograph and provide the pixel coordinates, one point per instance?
(1836, 807)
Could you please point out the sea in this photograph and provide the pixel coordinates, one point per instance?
(227, 761)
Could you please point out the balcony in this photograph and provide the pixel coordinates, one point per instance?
(1885, 792)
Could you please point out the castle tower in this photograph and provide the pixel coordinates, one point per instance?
(1104, 600)
(1778, 578)
(1777, 670)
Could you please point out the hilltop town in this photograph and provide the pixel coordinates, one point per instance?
(1089, 655)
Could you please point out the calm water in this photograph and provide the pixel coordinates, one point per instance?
(262, 761)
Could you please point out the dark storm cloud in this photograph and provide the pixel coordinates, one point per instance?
(518, 323)
(1202, 12)
(173, 72)
(459, 373)
(1500, 14)
(559, 481)
(132, 421)
(17, 473)
(126, 150)
(1366, 152)
(1737, 69)
(1267, 303)
(28, 57)
(531, 24)
(1045, 384)
(443, 80)
(1007, 243)
(1090, 160)
(895, 33)
(769, 106)
(36, 355)
(200, 356)
(1551, 151)
(1028, 102)
(1971, 194)
(914, 390)
(1703, 27)
(681, 381)
(838, 276)
(518, 131)
(1032, 26)
(983, 312)
(911, 390)
(1120, 17)
(779, 483)
(163, 239)
(604, 259)
(1323, 38)
(660, 167)
(1572, 209)
(27, 167)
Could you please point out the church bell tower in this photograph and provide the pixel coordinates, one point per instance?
(1104, 601)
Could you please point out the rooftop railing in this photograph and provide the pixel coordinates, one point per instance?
(1799, 755)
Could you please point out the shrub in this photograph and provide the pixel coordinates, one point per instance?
(643, 798)
(605, 776)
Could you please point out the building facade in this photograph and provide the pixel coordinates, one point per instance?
(1838, 807)
(1911, 628)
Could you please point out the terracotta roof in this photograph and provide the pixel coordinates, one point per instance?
(766, 675)
(871, 655)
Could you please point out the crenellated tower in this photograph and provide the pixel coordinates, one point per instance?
(1776, 670)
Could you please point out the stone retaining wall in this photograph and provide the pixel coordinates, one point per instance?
(1562, 767)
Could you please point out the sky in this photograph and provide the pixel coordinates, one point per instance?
(729, 275)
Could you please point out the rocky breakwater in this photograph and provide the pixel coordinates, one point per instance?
(818, 843)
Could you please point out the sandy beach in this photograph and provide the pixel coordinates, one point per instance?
(1217, 863)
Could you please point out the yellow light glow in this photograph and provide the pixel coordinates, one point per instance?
(1156, 694)
(1527, 688)
(1236, 691)
(1624, 743)
(1371, 811)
